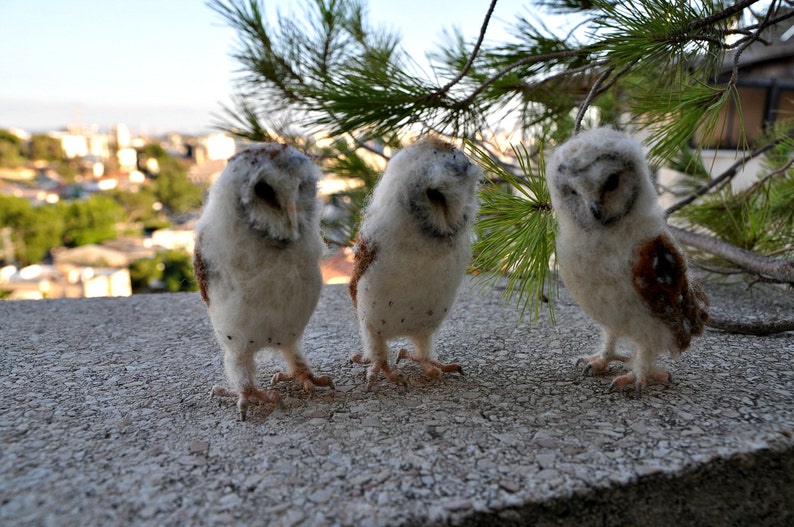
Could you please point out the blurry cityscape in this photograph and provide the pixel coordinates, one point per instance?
(90, 213)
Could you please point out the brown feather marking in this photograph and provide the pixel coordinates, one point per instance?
(439, 143)
(660, 278)
(200, 271)
(363, 257)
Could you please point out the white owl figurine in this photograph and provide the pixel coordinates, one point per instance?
(256, 261)
(413, 249)
(617, 257)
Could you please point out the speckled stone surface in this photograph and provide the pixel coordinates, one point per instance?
(106, 419)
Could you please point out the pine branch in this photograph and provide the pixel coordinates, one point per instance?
(774, 269)
(546, 57)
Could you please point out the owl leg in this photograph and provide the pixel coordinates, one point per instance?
(424, 356)
(300, 371)
(241, 372)
(376, 353)
(642, 370)
(598, 363)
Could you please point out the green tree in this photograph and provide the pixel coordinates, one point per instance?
(45, 148)
(170, 182)
(91, 221)
(168, 271)
(35, 230)
(140, 207)
(646, 65)
(178, 271)
(45, 231)
(16, 214)
(11, 148)
(143, 273)
(175, 191)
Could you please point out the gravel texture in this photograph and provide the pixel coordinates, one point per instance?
(106, 419)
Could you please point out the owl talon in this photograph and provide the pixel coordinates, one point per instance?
(219, 391)
(432, 368)
(597, 364)
(382, 366)
(307, 379)
(245, 397)
(622, 382)
(358, 358)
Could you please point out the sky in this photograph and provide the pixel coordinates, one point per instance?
(164, 65)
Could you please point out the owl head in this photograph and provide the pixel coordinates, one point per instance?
(434, 184)
(599, 178)
(275, 188)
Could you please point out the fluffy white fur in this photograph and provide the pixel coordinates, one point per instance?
(602, 223)
(418, 227)
(258, 247)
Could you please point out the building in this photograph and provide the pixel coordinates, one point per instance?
(36, 282)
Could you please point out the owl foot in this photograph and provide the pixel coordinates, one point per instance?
(378, 366)
(305, 378)
(640, 382)
(597, 364)
(245, 396)
(433, 368)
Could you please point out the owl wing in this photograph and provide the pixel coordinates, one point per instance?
(364, 254)
(201, 271)
(660, 278)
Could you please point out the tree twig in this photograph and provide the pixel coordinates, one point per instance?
(767, 326)
(595, 90)
(510, 67)
(776, 269)
(725, 176)
(470, 62)
(746, 43)
(726, 13)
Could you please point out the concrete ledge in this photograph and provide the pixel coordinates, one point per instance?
(106, 419)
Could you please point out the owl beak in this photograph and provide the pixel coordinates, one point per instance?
(292, 220)
(596, 211)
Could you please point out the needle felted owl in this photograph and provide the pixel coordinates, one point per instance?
(413, 249)
(617, 257)
(256, 261)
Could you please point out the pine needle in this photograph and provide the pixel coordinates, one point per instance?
(516, 232)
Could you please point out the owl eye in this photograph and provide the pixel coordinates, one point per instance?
(612, 182)
(568, 191)
(267, 194)
(436, 197)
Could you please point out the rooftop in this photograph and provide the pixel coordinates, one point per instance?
(107, 420)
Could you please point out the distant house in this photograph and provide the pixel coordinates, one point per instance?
(97, 282)
(766, 94)
(91, 255)
(174, 239)
(64, 281)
